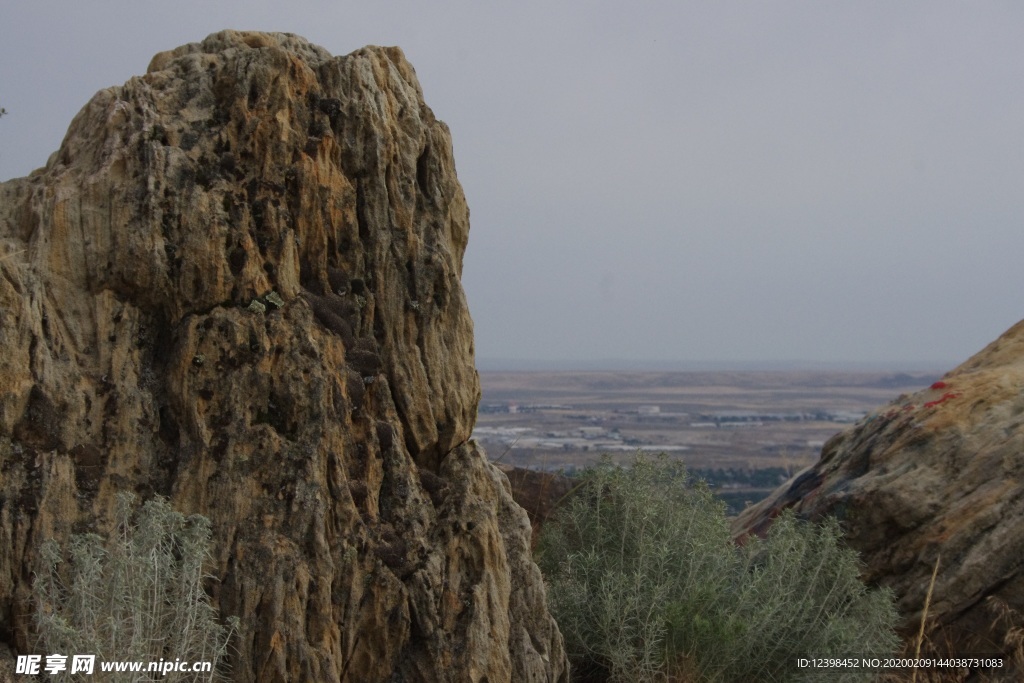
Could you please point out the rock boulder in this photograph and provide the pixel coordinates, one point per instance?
(933, 476)
(237, 284)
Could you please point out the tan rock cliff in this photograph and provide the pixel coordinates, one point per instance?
(237, 284)
(940, 472)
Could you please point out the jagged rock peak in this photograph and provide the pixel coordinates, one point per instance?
(237, 284)
(934, 475)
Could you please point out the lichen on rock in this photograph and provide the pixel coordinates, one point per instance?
(359, 534)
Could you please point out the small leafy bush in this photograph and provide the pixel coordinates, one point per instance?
(138, 597)
(646, 585)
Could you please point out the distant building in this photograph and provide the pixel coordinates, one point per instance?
(648, 410)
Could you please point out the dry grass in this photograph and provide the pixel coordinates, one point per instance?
(927, 641)
(14, 273)
(11, 255)
(924, 614)
(1013, 639)
(933, 641)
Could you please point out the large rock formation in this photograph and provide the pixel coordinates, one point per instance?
(937, 475)
(236, 284)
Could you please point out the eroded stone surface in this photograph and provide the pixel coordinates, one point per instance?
(936, 473)
(237, 284)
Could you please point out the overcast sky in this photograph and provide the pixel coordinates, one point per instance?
(674, 181)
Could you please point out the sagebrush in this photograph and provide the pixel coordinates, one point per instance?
(137, 596)
(647, 585)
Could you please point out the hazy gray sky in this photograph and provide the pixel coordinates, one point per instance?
(735, 181)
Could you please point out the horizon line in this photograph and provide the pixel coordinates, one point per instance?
(495, 364)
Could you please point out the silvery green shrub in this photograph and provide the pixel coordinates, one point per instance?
(646, 585)
(137, 596)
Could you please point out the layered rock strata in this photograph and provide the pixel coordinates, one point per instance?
(237, 284)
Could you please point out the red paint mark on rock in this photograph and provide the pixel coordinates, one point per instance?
(945, 397)
(939, 385)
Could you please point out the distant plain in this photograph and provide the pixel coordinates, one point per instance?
(743, 431)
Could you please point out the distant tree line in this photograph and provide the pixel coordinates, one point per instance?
(739, 487)
(760, 478)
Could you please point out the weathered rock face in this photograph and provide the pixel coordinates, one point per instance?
(324, 428)
(938, 473)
